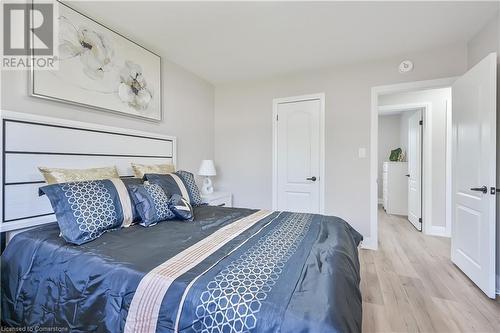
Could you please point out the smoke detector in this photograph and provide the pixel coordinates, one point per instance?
(405, 66)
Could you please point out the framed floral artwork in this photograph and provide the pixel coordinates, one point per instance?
(98, 68)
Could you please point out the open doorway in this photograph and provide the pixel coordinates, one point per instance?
(388, 96)
(418, 176)
(400, 161)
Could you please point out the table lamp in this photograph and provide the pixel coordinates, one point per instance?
(207, 169)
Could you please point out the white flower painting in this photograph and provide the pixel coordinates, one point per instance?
(101, 69)
(94, 50)
(133, 87)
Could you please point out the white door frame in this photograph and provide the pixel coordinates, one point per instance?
(292, 99)
(371, 242)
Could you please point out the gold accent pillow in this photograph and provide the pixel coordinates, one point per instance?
(141, 169)
(57, 175)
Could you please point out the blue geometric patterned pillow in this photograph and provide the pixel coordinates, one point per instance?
(180, 182)
(181, 208)
(85, 210)
(152, 203)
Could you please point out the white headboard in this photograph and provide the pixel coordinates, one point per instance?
(29, 141)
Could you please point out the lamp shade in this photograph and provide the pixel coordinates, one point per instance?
(207, 168)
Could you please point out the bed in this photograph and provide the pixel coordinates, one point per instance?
(229, 270)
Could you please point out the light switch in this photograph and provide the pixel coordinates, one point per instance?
(362, 152)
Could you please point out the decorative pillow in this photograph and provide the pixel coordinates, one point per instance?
(85, 210)
(129, 181)
(181, 183)
(181, 208)
(57, 175)
(141, 169)
(152, 203)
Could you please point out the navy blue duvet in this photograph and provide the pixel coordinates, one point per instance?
(287, 273)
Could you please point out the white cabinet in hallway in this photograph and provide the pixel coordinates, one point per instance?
(395, 188)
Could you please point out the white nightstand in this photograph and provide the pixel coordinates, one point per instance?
(218, 199)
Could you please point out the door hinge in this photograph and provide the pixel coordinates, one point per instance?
(421, 122)
(420, 219)
(276, 117)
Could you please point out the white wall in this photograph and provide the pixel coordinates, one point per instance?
(389, 138)
(243, 127)
(485, 42)
(188, 111)
(405, 116)
(437, 99)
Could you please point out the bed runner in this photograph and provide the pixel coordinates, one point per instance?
(145, 306)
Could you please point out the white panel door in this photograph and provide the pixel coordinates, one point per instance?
(473, 174)
(415, 169)
(298, 156)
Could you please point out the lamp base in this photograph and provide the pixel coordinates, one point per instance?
(207, 187)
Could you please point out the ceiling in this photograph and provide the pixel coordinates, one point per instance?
(234, 41)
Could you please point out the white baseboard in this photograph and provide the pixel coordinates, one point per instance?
(380, 201)
(437, 231)
(498, 284)
(369, 244)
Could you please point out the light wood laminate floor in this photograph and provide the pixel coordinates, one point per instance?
(410, 285)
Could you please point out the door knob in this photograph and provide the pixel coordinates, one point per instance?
(483, 189)
(313, 178)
